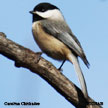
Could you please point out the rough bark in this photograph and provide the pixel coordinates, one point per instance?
(24, 57)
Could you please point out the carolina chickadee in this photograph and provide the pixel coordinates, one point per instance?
(55, 38)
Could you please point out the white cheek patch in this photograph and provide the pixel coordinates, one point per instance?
(45, 14)
(52, 14)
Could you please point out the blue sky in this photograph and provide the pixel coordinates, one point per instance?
(88, 20)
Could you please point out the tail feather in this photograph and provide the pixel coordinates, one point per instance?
(73, 59)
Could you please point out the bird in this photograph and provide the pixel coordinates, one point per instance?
(55, 38)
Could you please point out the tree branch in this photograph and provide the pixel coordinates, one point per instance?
(26, 58)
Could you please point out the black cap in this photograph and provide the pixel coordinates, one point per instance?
(42, 7)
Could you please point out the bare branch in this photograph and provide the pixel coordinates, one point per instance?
(26, 58)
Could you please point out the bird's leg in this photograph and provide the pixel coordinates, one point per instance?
(61, 65)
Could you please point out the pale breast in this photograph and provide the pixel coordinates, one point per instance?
(49, 44)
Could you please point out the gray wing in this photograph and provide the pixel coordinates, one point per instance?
(62, 32)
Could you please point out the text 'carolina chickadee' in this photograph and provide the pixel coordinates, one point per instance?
(54, 37)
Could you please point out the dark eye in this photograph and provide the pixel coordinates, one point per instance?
(43, 10)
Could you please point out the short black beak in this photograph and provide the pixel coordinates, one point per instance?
(31, 12)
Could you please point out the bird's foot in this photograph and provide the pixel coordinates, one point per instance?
(38, 56)
(39, 53)
(60, 69)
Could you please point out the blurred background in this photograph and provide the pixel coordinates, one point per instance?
(88, 20)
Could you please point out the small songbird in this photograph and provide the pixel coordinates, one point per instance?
(55, 38)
